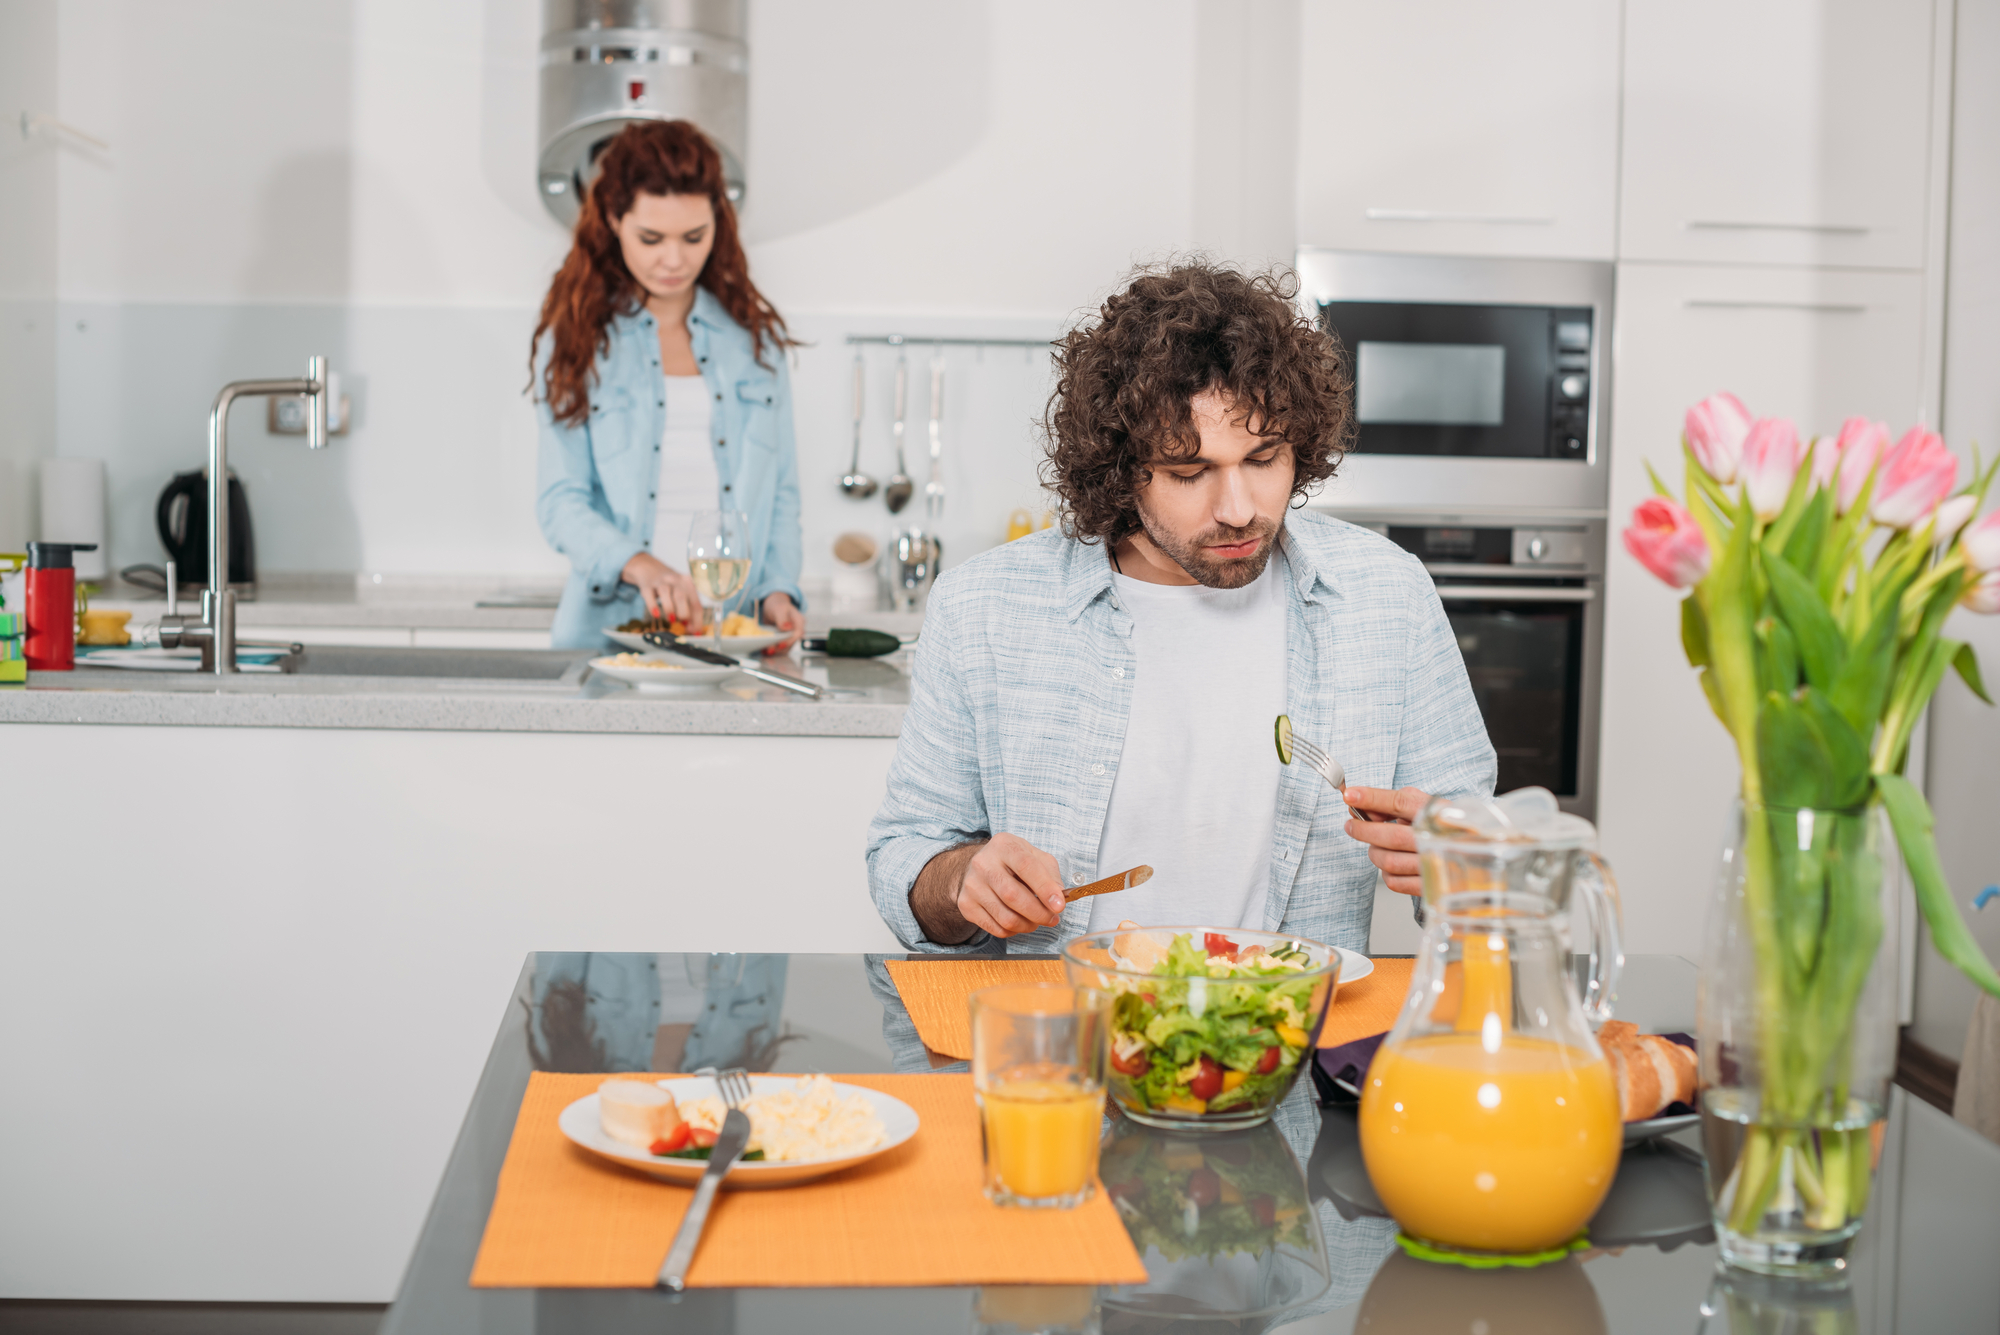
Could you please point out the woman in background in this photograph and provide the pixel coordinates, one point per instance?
(659, 374)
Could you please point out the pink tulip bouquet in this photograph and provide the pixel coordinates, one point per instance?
(1820, 576)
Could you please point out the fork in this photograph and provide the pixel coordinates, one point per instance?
(1329, 769)
(734, 1086)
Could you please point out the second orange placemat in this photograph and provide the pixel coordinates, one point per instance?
(934, 992)
(563, 1218)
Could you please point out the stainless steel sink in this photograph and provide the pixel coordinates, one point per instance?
(547, 666)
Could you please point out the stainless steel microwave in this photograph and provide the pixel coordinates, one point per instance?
(1481, 385)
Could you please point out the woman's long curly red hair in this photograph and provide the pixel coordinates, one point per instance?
(594, 286)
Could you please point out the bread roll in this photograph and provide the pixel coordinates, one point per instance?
(1651, 1072)
(636, 1112)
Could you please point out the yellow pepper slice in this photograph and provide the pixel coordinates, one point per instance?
(1186, 1104)
(1289, 1034)
(1231, 1079)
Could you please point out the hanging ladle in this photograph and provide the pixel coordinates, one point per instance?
(900, 487)
(857, 483)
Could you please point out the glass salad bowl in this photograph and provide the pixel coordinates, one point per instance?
(1209, 1026)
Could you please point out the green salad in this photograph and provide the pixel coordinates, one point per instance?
(1224, 1028)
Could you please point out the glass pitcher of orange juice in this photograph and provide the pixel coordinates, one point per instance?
(1489, 1117)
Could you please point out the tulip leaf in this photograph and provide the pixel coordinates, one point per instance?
(1913, 822)
(1862, 684)
(1822, 650)
(1846, 751)
(1802, 547)
(1712, 688)
(1694, 632)
(1780, 660)
(1795, 763)
(1660, 488)
(1963, 658)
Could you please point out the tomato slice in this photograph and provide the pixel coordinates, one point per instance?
(675, 1139)
(1215, 943)
(1263, 1209)
(1204, 1187)
(1135, 1064)
(702, 1138)
(1207, 1082)
(1269, 1061)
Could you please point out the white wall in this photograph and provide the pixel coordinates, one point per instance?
(27, 262)
(356, 177)
(1964, 758)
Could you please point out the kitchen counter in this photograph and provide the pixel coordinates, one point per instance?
(870, 695)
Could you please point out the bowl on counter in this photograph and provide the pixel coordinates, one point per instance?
(1210, 1026)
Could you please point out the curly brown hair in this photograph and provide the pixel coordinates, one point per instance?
(593, 285)
(1124, 382)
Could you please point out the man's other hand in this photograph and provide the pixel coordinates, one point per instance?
(1392, 844)
(1010, 887)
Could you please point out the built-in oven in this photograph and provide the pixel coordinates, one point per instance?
(1526, 603)
(1481, 385)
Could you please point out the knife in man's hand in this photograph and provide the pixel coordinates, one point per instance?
(1124, 880)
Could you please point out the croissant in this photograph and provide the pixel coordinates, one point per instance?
(1651, 1071)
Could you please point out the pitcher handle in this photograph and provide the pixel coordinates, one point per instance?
(1599, 892)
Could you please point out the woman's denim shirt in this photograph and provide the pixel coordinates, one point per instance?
(598, 482)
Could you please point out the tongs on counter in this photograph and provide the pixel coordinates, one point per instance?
(674, 644)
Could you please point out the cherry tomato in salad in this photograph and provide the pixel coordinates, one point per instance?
(1149, 998)
(1135, 1064)
(675, 1139)
(1204, 1187)
(1263, 1209)
(702, 1137)
(1207, 1082)
(1269, 1061)
(1215, 943)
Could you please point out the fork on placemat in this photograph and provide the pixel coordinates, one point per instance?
(734, 1086)
(1329, 769)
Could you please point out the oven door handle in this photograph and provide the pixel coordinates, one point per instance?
(1514, 593)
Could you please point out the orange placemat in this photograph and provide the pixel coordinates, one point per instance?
(563, 1218)
(934, 992)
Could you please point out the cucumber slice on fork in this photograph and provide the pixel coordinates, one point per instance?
(1284, 736)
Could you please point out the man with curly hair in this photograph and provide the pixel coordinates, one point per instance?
(1102, 696)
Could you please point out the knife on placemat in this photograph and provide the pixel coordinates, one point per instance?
(1124, 880)
(675, 645)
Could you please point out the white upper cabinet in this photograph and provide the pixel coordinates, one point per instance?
(1460, 127)
(1777, 131)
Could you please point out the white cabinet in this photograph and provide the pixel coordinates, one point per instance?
(1778, 131)
(1459, 127)
(1814, 346)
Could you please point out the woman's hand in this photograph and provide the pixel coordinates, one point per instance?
(781, 614)
(668, 593)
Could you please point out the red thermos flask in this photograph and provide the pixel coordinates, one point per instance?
(51, 574)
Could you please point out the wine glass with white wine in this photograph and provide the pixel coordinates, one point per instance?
(719, 560)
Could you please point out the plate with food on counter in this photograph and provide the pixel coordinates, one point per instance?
(659, 672)
(801, 1127)
(740, 634)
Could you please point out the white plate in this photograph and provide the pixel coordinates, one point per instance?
(1354, 966)
(731, 644)
(677, 673)
(581, 1123)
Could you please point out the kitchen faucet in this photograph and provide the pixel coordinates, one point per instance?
(215, 629)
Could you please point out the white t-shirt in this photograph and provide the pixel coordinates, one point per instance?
(688, 480)
(1196, 796)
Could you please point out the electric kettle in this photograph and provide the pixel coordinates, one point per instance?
(182, 518)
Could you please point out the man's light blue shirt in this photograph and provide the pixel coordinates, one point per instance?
(599, 480)
(1022, 685)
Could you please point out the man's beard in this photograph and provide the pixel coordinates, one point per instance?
(1205, 569)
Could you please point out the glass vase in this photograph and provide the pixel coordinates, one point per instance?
(1797, 1032)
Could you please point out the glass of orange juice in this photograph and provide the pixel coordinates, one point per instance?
(1038, 1053)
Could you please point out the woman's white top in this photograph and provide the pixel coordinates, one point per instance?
(689, 482)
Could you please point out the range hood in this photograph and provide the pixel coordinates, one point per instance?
(607, 63)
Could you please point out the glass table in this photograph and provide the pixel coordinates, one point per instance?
(1318, 1259)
